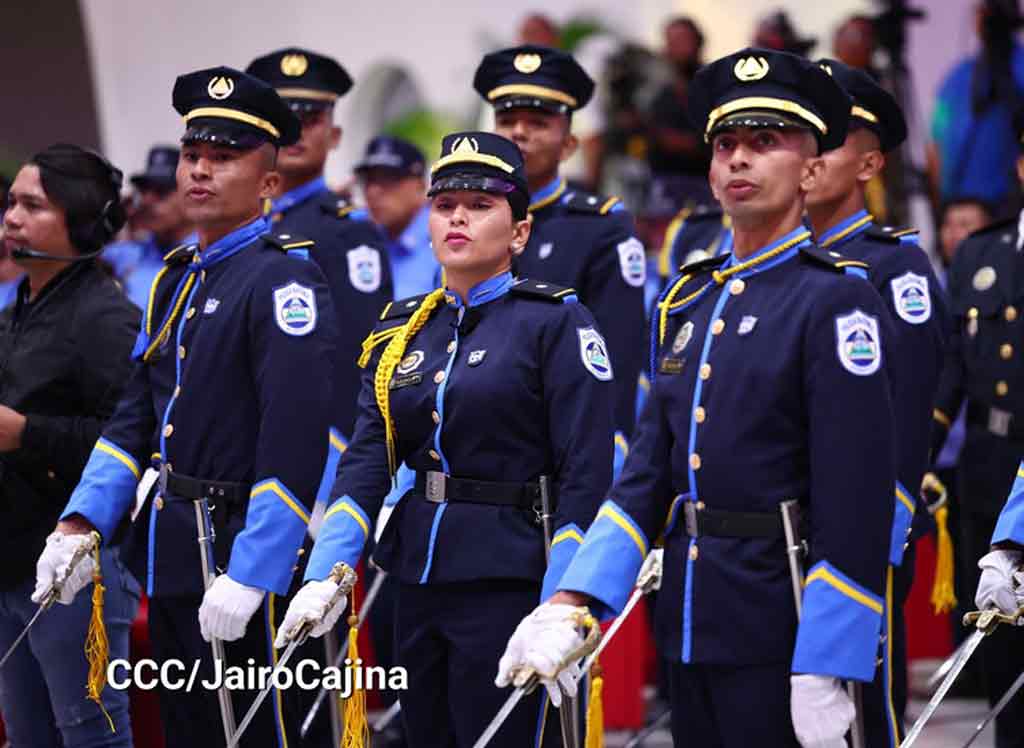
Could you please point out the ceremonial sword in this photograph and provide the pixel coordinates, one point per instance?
(985, 622)
(82, 552)
(342, 575)
(1000, 705)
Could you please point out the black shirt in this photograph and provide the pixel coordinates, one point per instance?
(64, 358)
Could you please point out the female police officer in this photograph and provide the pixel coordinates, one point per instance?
(487, 389)
(64, 345)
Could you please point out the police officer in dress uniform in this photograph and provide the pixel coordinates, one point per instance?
(489, 389)
(984, 368)
(232, 381)
(348, 247)
(579, 239)
(801, 412)
(696, 233)
(901, 273)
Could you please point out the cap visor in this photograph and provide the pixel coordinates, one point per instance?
(530, 102)
(471, 182)
(756, 119)
(224, 132)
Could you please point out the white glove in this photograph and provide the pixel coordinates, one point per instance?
(52, 567)
(542, 642)
(226, 609)
(821, 711)
(310, 604)
(652, 567)
(382, 521)
(1000, 583)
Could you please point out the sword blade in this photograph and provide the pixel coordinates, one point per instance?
(386, 718)
(970, 645)
(249, 715)
(613, 629)
(500, 717)
(943, 669)
(999, 707)
(24, 633)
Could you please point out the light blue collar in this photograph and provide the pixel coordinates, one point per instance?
(846, 229)
(547, 190)
(233, 242)
(300, 194)
(757, 265)
(481, 293)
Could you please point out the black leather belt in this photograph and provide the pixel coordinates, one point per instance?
(700, 521)
(178, 486)
(439, 488)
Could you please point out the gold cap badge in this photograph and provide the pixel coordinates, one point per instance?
(751, 69)
(220, 87)
(294, 65)
(826, 68)
(526, 63)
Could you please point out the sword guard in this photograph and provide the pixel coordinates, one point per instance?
(986, 621)
(527, 678)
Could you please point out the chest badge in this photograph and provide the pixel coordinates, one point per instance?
(410, 363)
(984, 279)
(682, 338)
(747, 325)
(476, 357)
(545, 250)
(211, 306)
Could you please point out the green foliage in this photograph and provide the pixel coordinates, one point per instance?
(424, 128)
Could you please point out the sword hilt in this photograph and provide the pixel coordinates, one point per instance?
(527, 678)
(987, 620)
(345, 579)
(83, 551)
(934, 492)
(650, 577)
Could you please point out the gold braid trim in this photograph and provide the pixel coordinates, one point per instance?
(165, 331)
(373, 340)
(389, 361)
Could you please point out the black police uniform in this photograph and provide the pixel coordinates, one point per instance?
(768, 386)
(903, 277)
(232, 380)
(983, 367)
(487, 397)
(349, 249)
(579, 239)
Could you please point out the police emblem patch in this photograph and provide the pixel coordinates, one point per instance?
(211, 306)
(984, 279)
(632, 261)
(746, 324)
(858, 343)
(364, 268)
(594, 353)
(410, 363)
(295, 309)
(476, 357)
(911, 298)
(682, 338)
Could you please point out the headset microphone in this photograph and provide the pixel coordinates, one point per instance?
(25, 253)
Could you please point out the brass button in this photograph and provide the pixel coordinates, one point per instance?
(51, 475)
(436, 416)
(439, 377)
(202, 276)
(1010, 313)
(168, 430)
(190, 313)
(181, 351)
(717, 327)
(300, 552)
(705, 371)
(1005, 351)
(159, 503)
(693, 553)
(177, 390)
(451, 347)
(701, 506)
(736, 287)
(434, 455)
(972, 313)
(699, 414)
(1002, 388)
(695, 461)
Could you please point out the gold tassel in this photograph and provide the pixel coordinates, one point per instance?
(97, 647)
(356, 731)
(943, 597)
(595, 709)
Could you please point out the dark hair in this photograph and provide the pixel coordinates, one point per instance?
(690, 24)
(87, 188)
(955, 202)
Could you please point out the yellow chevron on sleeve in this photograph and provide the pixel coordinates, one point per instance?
(824, 575)
(275, 488)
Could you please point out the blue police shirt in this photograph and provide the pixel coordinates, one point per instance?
(768, 385)
(136, 264)
(414, 268)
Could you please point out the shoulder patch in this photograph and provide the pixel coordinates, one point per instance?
(542, 290)
(911, 298)
(287, 242)
(295, 309)
(830, 259)
(632, 261)
(180, 255)
(402, 307)
(588, 202)
(364, 268)
(858, 343)
(594, 354)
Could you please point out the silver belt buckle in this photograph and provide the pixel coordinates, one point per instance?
(999, 421)
(690, 518)
(435, 488)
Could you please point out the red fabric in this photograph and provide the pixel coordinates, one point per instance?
(147, 728)
(628, 664)
(928, 635)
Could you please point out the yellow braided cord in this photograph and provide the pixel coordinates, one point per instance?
(356, 729)
(595, 709)
(165, 331)
(943, 596)
(389, 361)
(663, 312)
(97, 647)
(372, 341)
(665, 256)
(723, 276)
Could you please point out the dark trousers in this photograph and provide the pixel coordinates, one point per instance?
(192, 719)
(731, 706)
(450, 638)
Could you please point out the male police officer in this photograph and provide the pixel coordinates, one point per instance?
(232, 382)
(578, 239)
(984, 367)
(902, 275)
(347, 246)
(768, 385)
